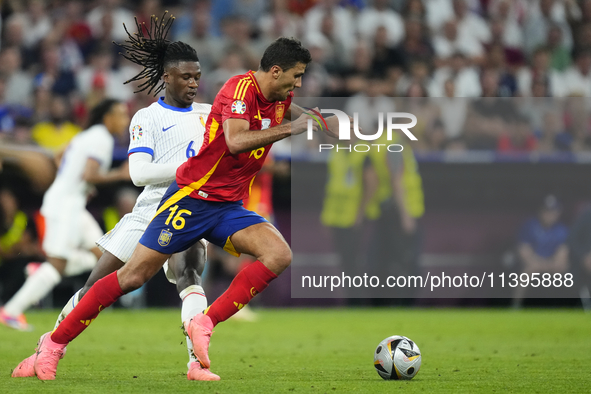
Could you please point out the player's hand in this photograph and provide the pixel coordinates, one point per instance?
(333, 126)
(300, 125)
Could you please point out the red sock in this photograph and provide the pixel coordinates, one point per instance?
(248, 283)
(100, 296)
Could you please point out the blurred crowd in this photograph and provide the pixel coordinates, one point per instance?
(57, 60)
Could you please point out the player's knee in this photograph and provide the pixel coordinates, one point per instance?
(131, 281)
(282, 257)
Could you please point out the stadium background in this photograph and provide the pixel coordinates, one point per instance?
(57, 60)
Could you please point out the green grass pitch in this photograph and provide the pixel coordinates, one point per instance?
(318, 351)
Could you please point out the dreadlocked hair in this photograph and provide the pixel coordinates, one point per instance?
(150, 49)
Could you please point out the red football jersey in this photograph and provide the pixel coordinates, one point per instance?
(215, 174)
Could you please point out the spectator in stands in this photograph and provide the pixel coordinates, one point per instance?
(381, 14)
(577, 124)
(438, 12)
(551, 136)
(278, 22)
(318, 80)
(465, 78)
(37, 23)
(541, 17)
(10, 113)
(490, 83)
(100, 76)
(194, 29)
(517, 137)
(352, 78)
(342, 24)
(452, 111)
(231, 64)
(470, 23)
(538, 71)
(487, 120)
(450, 41)
(105, 21)
(576, 80)
(415, 9)
(416, 45)
(337, 51)
(385, 57)
(237, 34)
(434, 139)
(514, 56)
(560, 54)
(52, 76)
(13, 36)
(56, 133)
(505, 20)
(369, 103)
(75, 27)
(542, 244)
(19, 84)
(496, 60)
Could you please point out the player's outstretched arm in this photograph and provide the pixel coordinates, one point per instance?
(93, 175)
(143, 172)
(240, 139)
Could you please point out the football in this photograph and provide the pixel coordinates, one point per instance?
(397, 358)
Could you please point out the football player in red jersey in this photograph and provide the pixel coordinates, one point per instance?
(206, 202)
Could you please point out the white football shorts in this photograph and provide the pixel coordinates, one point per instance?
(122, 240)
(68, 231)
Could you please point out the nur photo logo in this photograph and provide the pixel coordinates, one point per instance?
(391, 120)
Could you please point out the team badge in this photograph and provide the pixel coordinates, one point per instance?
(279, 111)
(265, 123)
(253, 291)
(238, 107)
(136, 132)
(164, 238)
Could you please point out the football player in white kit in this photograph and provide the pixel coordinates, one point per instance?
(162, 137)
(70, 230)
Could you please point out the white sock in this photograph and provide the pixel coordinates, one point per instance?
(70, 305)
(34, 289)
(194, 302)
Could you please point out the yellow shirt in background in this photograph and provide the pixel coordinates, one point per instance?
(52, 137)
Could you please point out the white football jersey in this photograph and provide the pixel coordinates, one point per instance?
(69, 190)
(170, 135)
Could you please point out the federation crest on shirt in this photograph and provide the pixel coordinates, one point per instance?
(238, 107)
(164, 238)
(279, 111)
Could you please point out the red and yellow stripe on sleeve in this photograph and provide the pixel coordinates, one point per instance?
(241, 88)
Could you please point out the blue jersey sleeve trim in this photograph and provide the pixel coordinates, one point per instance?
(150, 151)
(170, 107)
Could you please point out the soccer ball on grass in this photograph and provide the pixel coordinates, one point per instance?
(397, 358)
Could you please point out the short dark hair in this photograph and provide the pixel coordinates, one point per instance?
(154, 52)
(285, 53)
(98, 113)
